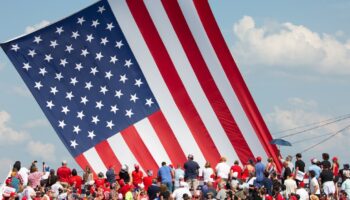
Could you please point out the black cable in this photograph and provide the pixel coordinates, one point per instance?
(311, 138)
(314, 127)
(334, 119)
(324, 140)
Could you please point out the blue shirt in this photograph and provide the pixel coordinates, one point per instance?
(259, 169)
(191, 169)
(316, 169)
(165, 174)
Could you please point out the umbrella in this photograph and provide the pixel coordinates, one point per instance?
(280, 142)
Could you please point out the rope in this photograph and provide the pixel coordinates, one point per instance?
(314, 123)
(327, 138)
(314, 127)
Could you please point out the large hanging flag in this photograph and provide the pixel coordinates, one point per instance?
(125, 82)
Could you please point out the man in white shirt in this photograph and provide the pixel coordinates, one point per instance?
(223, 169)
(346, 186)
(291, 186)
(304, 195)
(179, 192)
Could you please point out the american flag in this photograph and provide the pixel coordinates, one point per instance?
(126, 82)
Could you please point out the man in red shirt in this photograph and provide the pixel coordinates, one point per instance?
(147, 180)
(76, 181)
(236, 168)
(137, 176)
(63, 173)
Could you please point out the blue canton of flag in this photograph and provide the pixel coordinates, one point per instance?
(84, 76)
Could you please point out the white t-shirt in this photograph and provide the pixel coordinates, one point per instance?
(291, 186)
(207, 172)
(28, 192)
(55, 187)
(24, 172)
(222, 170)
(179, 192)
(314, 183)
(304, 195)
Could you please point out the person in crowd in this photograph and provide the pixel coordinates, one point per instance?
(137, 176)
(178, 173)
(326, 177)
(207, 172)
(343, 195)
(147, 180)
(28, 192)
(153, 190)
(223, 169)
(314, 186)
(303, 194)
(236, 168)
(35, 176)
(267, 183)
(124, 173)
(335, 166)
(52, 178)
(299, 165)
(248, 169)
(110, 175)
(270, 166)
(88, 176)
(259, 171)
(314, 167)
(75, 181)
(22, 172)
(164, 174)
(191, 172)
(344, 172)
(208, 188)
(325, 162)
(291, 185)
(286, 172)
(181, 191)
(221, 194)
(234, 181)
(100, 180)
(63, 173)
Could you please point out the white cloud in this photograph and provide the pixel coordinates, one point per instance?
(46, 151)
(300, 112)
(8, 135)
(291, 46)
(37, 26)
(36, 123)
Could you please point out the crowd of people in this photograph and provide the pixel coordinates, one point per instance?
(255, 180)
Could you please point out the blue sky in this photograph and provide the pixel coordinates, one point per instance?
(294, 56)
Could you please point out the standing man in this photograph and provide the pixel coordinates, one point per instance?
(165, 175)
(259, 170)
(191, 172)
(299, 165)
(63, 173)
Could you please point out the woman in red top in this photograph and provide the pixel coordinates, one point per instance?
(100, 181)
(236, 168)
(75, 181)
(335, 166)
(248, 168)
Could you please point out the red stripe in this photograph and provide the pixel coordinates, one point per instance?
(167, 138)
(173, 81)
(206, 81)
(107, 155)
(139, 149)
(235, 78)
(82, 162)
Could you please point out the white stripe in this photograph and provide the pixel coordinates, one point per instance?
(122, 151)
(155, 80)
(151, 140)
(188, 77)
(95, 161)
(220, 77)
